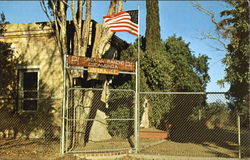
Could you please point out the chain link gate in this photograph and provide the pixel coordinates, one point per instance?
(98, 120)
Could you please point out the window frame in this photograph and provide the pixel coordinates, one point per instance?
(21, 91)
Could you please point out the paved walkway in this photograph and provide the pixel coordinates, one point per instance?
(159, 157)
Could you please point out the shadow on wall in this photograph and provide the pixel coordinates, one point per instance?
(42, 123)
(45, 121)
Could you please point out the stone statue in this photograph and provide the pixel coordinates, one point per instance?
(145, 119)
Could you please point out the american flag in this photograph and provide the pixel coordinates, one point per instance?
(123, 21)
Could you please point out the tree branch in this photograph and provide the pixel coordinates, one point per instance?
(218, 39)
(198, 6)
(220, 34)
(44, 8)
(86, 27)
(120, 4)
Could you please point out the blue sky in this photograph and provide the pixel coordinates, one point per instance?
(176, 17)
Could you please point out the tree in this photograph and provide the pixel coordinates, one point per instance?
(170, 66)
(78, 45)
(153, 37)
(190, 73)
(235, 27)
(154, 64)
(165, 66)
(173, 69)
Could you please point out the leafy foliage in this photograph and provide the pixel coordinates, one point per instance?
(236, 28)
(190, 73)
(159, 107)
(121, 128)
(121, 107)
(153, 37)
(215, 114)
(156, 69)
(173, 68)
(154, 62)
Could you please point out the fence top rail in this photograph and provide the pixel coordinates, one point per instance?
(39, 98)
(183, 93)
(101, 89)
(216, 92)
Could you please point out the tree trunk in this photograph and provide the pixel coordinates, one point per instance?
(86, 28)
(101, 45)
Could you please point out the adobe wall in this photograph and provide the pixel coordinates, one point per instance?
(35, 46)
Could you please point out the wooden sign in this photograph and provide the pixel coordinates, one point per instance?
(103, 71)
(101, 63)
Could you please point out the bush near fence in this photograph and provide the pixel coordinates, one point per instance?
(121, 106)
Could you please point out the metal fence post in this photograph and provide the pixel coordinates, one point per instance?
(239, 136)
(63, 106)
(136, 111)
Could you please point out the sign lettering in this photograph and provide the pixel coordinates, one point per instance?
(101, 63)
(103, 71)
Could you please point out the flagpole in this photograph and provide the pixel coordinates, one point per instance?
(138, 85)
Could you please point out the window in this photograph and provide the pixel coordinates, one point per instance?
(28, 89)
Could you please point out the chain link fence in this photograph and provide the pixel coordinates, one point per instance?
(30, 134)
(97, 120)
(191, 124)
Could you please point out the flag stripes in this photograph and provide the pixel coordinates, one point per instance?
(123, 22)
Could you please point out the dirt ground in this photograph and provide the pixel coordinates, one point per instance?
(191, 149)
(11, 149)
(28, 150)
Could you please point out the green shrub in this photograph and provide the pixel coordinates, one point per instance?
(122, 127)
